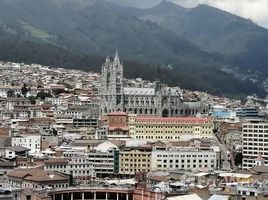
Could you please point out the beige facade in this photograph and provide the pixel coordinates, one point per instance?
(135, 159)
(173, 128)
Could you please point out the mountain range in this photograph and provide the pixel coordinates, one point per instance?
(198, 43)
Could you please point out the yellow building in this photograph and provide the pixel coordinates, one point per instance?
(135, 159)
(160, 128)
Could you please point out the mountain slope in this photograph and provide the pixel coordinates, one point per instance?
(213, 30)
(82, 32)
(96, 28)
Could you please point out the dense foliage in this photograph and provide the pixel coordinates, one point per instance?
(80, 34)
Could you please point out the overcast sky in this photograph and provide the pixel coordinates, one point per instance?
(256, 10)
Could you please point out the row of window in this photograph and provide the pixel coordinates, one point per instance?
(255, 131)
(188, 156)
(161, 167)
(184, 161)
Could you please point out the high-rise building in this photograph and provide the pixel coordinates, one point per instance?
(255, 142)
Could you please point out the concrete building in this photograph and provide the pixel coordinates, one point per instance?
(5, 166)
(79, 167)
(176, 158)
(118, 128)
(13, 152)
(105, 159)
(135, 159)
(161, 128)
(247, 112)
(37, 178)
(32, 142)
(255, 142)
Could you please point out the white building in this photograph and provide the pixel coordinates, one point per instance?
(101, 133)
(255, 142)
(80, 167)
(170, 159)
(32, 142)
(13, 152)
(4, 89)
(105, 159)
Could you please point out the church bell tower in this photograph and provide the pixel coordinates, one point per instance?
(111, 86)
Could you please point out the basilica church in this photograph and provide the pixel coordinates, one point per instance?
(159, 100)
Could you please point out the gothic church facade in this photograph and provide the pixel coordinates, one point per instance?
(158, 101)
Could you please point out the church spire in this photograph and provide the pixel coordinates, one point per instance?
(107, 59)
(116, 58)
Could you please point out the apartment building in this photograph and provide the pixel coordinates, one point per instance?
(135, 159)
(79, 167)
(184, 158)
(32, 142)
(255, 142)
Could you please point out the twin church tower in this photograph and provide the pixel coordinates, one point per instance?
(159, 100)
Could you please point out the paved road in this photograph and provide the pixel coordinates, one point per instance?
(228, 163)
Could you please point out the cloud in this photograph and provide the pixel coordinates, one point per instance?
(255, 10)
(137, 3)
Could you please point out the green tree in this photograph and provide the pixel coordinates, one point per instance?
(10, 93)
(32, 99)
(43, 95)
(24, 90)
(58, 91)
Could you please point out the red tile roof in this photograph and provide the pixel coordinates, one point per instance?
(117, 114)
(123, 128)
(180, 120)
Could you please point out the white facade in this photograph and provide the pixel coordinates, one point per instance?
(101, 133)
(58, 101)
(32, 142)
(4, 90)
(77, 166)
(255, 142)
(184, 158)
(81, 167)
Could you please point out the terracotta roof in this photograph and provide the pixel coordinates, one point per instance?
(118, 143)
(18, 149)
(260, 169)
(160, 178)
(4, 131)
(56, 161)
(5, 163)
(259, 158)
(124, 128)
(117, 114)
(37, 175)
(180, 120)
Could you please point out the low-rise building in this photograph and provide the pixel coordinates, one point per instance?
(172, 159)
(13, 152)
(118, 126)
(37, 178)
(32, 142)
(79, 167)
